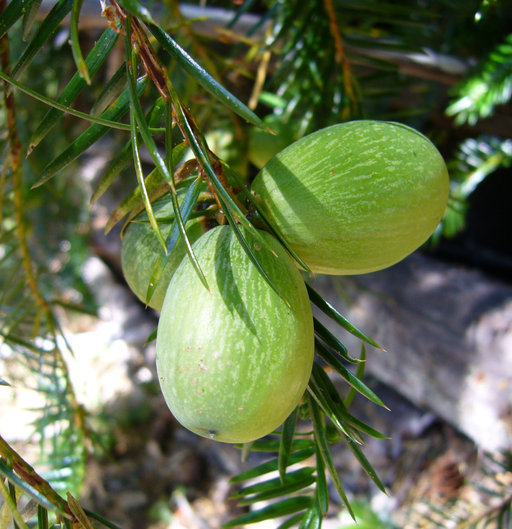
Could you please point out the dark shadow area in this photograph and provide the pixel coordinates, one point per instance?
(227, 284)
(486, 242)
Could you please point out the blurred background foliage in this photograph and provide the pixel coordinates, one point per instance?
(443, 67)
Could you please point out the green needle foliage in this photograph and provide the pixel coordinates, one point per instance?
(307, 65)
(491, 85)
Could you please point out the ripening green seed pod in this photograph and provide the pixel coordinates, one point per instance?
(234, 361)
(355, 197)
(140, 250)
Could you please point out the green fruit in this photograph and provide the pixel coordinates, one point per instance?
(233, 361)
(355, 197)
(140, 250)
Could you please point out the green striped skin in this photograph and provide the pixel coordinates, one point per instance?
(233, 362)
(140, 250)
(355, 197)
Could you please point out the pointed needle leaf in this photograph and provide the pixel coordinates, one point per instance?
(272, 465)
(230, 208)
(274, 510)
(363, 461)
(291, 485)
(75, 42)
(248, 250)
(94, 60)
(359, 374)
(326, 336)
(137, 9)
(121, 160)
(186, 207)
(12, 12)
(89, 136)
(324, 385)
(143, 190)
(110, 92)
(29, 17)
(274, 483)
(353, 380)
(153, 150)
(330, 311)
(322, 490)
(133, 203)
(286, 442)
(71, 111)
(262, 214)
(198, 73)
(323, 448)
(46, 29)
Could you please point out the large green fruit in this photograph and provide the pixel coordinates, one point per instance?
(140, 250)
(355, 197)
(233, 361)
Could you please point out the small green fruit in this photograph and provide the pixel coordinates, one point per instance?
(355, 197)
(140, 250)
(233, 361)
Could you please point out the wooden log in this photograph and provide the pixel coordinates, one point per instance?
(447, 335)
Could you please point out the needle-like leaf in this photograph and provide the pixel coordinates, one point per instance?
(48, 26)
(51, 103)
(121, 160)
(326, 336)
(330, 311)
(137, 9)
(42, 518)
(248, 195)
(12, 12)
(230, 208)
(142, 187)
(355, 382)
(186, 207)
(94, 60)
(153, 150)
(198, 73)
(291, 522)
(272, 465)
(29, 17)
(285, 445)
(363, 461)
(322, 399)
(75, 42)
(274, 488)
(153, 183)
(272, 445)
(312, 519)
(274, 510)
(110, 92)
(359, 374)
(322, 490)
(323, 384)
(89, 136)
(323, 448)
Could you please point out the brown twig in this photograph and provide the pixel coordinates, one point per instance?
(340, 56)
(16, 165)
(32, 478)
(15, 161)
(160, 77)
